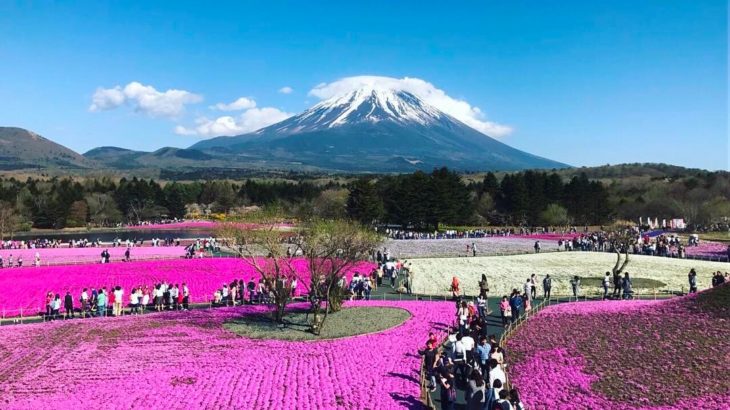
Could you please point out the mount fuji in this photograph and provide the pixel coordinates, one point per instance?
(373, 129)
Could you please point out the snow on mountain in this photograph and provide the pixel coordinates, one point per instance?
(370, 104)
(374, 128)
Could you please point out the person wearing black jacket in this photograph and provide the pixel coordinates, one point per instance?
(429, 360)
(692, 277)
(68, 305)
(547, 285)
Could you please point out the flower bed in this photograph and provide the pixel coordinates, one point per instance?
(624, 355)
(433, 275)
(421, 248)
(187, 360)
(57, 256)
(207, 225)
(708, 249)
(26, 288)
(175, 225)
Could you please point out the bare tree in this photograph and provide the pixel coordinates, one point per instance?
(258, 241)
(621, 241)
(332, 248)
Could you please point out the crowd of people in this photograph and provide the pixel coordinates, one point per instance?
(240, 292)
(717, 279)
(201, 247)
(399, 274)
(111, 301)
(473, 359)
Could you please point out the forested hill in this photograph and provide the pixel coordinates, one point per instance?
(418, 200)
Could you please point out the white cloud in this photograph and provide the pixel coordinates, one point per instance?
(145, 99)
(107, 99)
(286, 90)
(242, 103)
(457, 108)
(250, 120)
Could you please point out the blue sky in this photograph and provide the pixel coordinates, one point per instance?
(584, 82)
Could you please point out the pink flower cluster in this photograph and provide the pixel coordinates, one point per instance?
(625, 354)
(188, 360)
(195, 225)
(26, 288)
(548, 236)
(176, 225)
(560, 380)
(706, 248)
(56, 256)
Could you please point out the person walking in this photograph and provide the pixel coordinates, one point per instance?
(475, 391)
(506, 310)
(483, 286)
(547, 285)
(483, 350)
(692, 277)
(606, 284)
(575, 284)
(186, 297)
(533, 286)
(68, 305)
(101, 303)
(56, 306)
(448, 388)
(118, 301)
(85, 309)
(627, 287)
(455, 287)
(526, 288)
(515, 303)
(482, 307)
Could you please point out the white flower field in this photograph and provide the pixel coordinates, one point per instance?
(433, 275)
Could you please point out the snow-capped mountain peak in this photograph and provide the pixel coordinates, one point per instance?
(367, 104)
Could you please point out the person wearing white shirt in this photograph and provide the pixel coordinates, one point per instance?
(145, 301)
(186, 296)
(118, 300)
(460, 356)
(496, 372)
(134, 301)
(468, 343)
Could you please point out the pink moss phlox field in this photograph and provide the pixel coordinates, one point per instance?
(175, 225)
(706, 248)
(558, 380)
(58, 256)
(197, 225)
(26, 288)
(648, 355)
(548, 236)
(188, 360)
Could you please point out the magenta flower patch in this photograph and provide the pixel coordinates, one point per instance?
(188, 360)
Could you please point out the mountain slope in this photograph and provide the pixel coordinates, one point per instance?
(167, 157)
(20, 148)
(374, 129)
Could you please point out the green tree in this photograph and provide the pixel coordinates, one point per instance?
(174, 200)
(363, 203)
(554, 215)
